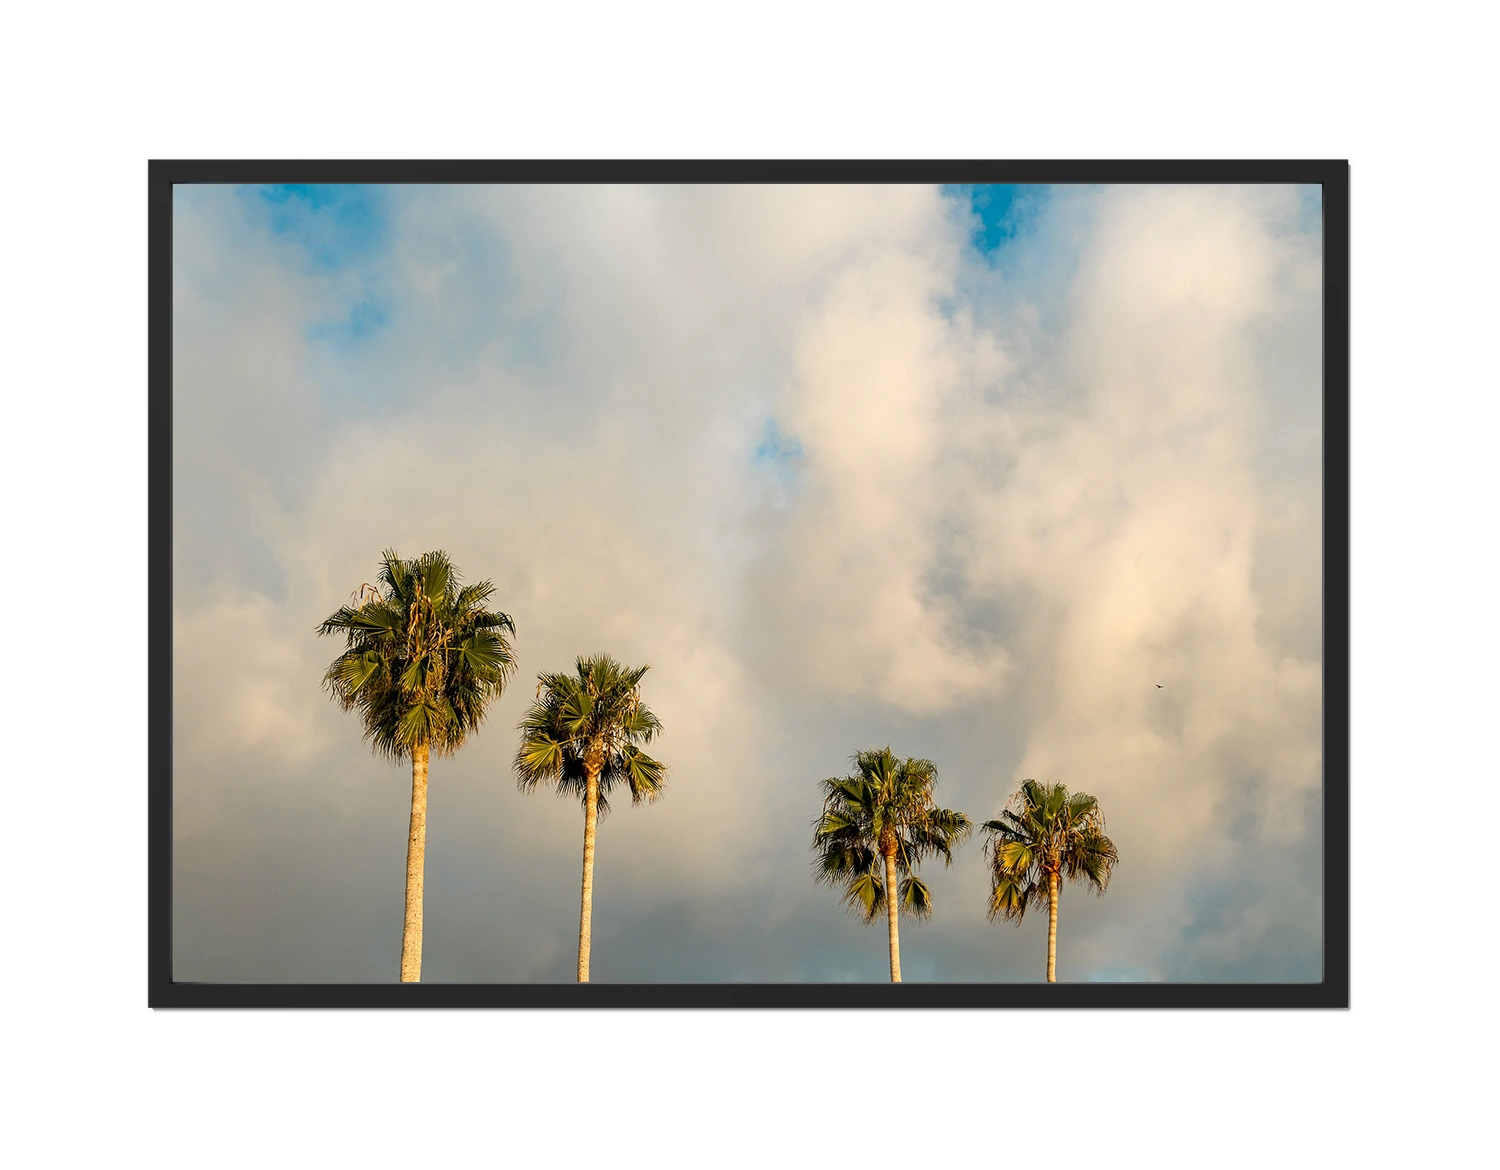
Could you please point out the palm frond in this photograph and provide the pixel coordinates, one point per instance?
(473, 597)
(349, 674)
(539, 758)
(914, 898)
(1009, 899)
(864, 896)
(645, 776)
(841, 860)
(436, 573)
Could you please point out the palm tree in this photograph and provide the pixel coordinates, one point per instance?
(423, 660)
(880, 824)
(583, 735)
(1043, 836)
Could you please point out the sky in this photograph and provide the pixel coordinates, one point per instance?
(962, 471)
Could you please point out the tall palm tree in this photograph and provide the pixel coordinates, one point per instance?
(877, 826)
(1045, 835)
(583, 735)
(423, 660)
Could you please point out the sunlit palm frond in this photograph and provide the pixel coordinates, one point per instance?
(644, 776)
(1009, 898)
(864, 896)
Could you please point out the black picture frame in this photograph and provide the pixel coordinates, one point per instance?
(1331, 992)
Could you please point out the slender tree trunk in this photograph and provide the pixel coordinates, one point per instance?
(1052, 927)
(416, 857)
(585, 914)
(890, 913)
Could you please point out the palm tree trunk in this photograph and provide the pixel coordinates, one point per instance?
(585, 914)
(890, 914)
(416, 856)
(1052, 928)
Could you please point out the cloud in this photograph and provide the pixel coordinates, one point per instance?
(840, 478)
(261, 676)
(847, 573)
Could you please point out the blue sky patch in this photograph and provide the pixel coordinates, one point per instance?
(775, 448)
(364, 319)
(336, 223)
(779, 454)
(1002, 210)
(340, 228)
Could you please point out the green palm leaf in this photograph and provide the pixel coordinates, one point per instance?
(916, 898)
(864, 895)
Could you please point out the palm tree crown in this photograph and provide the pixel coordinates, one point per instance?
(423, 658)
(1046, 832)
(884, 809)
(591, 720)
(876, 828)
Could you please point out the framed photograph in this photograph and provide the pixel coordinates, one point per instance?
(749, 584)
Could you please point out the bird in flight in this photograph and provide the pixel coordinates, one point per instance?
(1160, 687)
